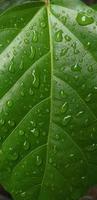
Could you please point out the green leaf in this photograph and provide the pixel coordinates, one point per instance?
(48, 100)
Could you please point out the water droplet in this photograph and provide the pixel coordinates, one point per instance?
(26, 41)
(64, 19)
(14, 52)
(35, 79)
(2, 122)
(34, 172)
(31, 92)
(21, 132)
(67, 38)
(62, 93)
(33, 123)
(83, 177)
(71, 155)
(13, 155)
(88, 44)
(35, 132)
(95, 87)
(79, 113)
(32, 52)
(76, 68)
(59, 36)
(23, 194)
(44, 133)
(63, 51)
(38, 161)
(50, 160)
(76, 51)
(21, 65)
(43, 24)
(57, 137)
(11, 68)
(66, 120)
(64, 107)
(11, 123)
(34, 36)
(26, 145)
(88, 98)
(83, 19)
(90, 68)
(9, 103)
(22, 93)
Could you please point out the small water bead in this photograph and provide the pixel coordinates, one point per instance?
(83, 86)
(37, 142)
(35, 132)
(21, 66)
(83, 19)
(57, 137)
(11, 123)
(31, 92)
(35, 79)
(26, 41)
(2, 122)
(33, 123)
(76, 77)
(50, 160)
(1, 45)
(62, 93)
(26, 145)
(76, 51)
(64, 19)
(74, 44)
(43, 24)
(71, 155)
(34, 172)
(80, 113)
(59, 36)
(34, 36)
(90, 68)
(44, 133)
(66, 120)
(21, 132)
(67, 165)
(23, 194)
(22, 93)
(38, 161)
(88, 44)
(76, 68)
(14, 52)
(63, 52)
(86, 121)
(33, 51)
(9, 103)
(83, 177)
(95, 87)
(89, 97)
(11, 68)
(13, 155)
(67, 38)
(64, 107)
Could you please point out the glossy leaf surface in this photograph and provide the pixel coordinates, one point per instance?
(48, 100)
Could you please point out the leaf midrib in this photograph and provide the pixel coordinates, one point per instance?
(51, 92)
